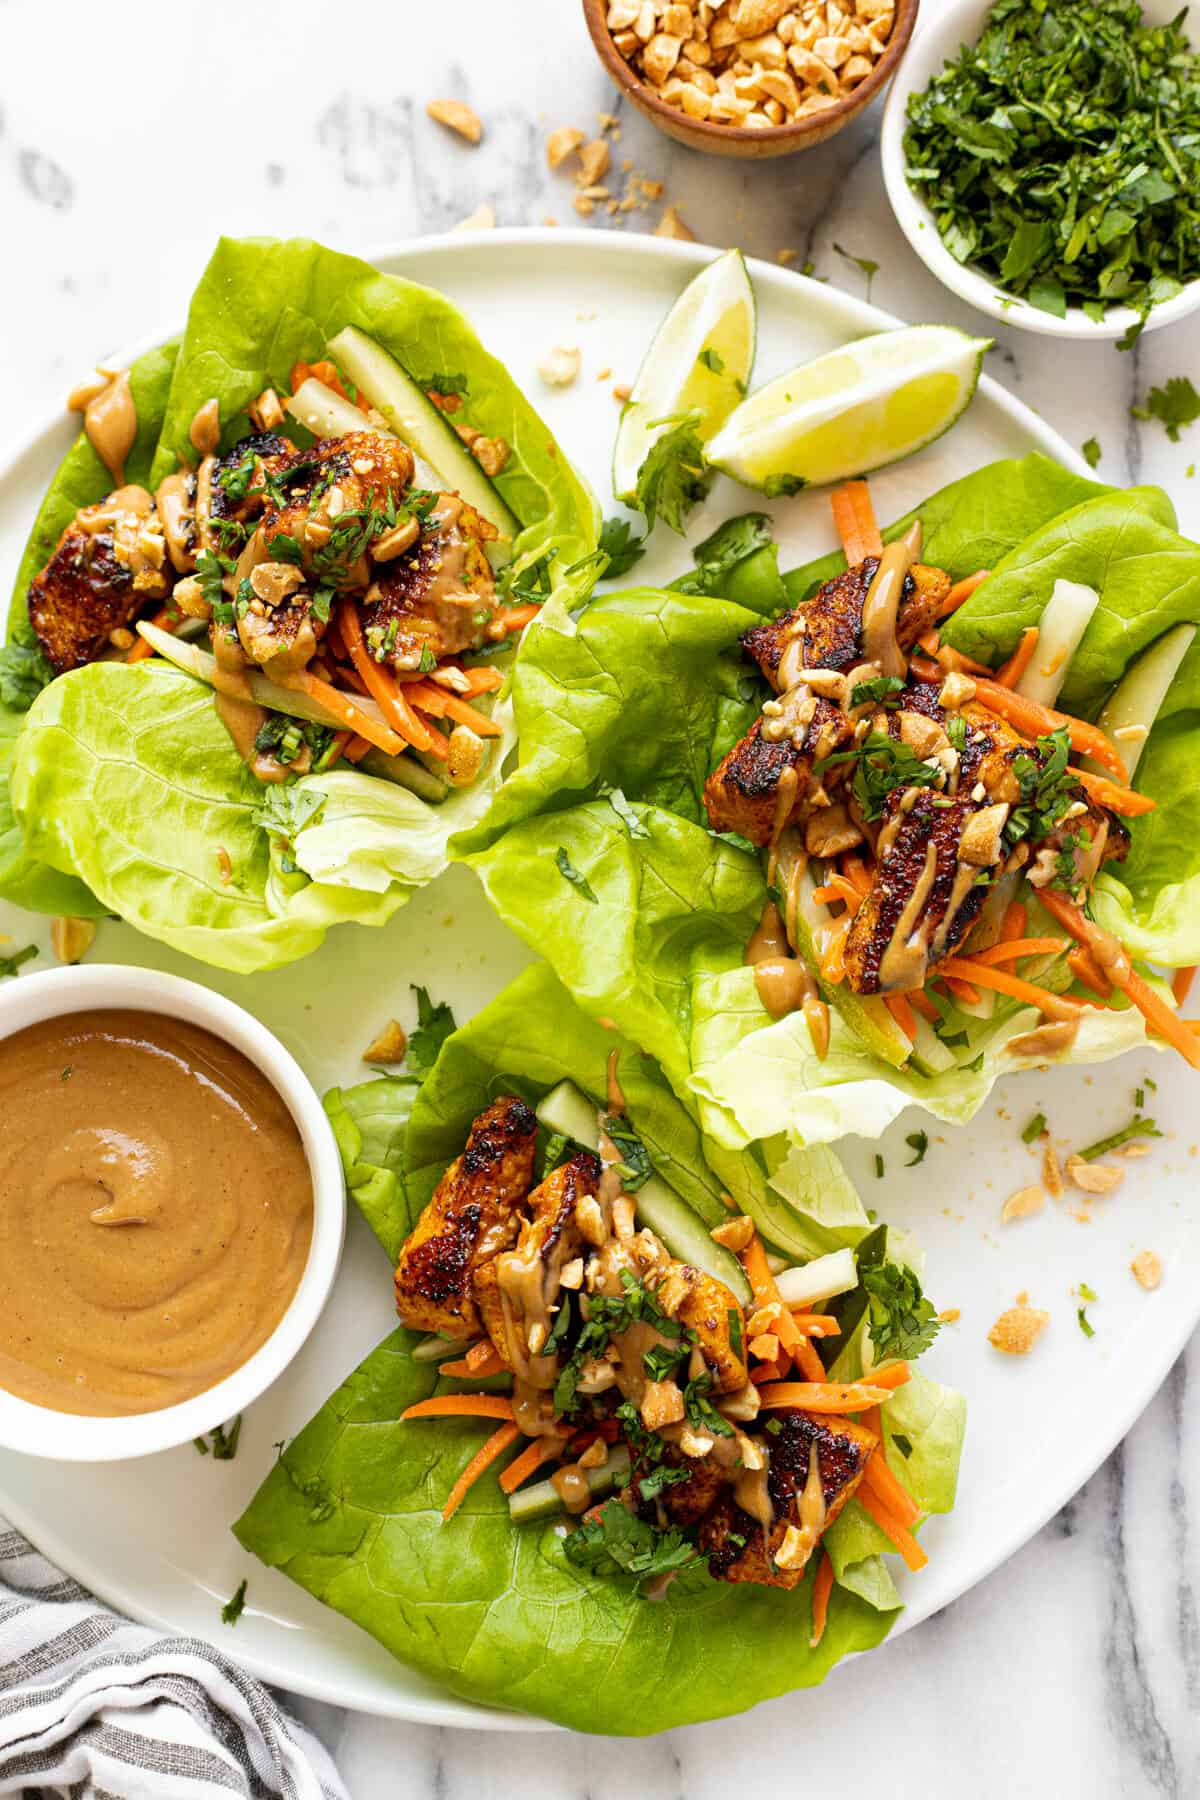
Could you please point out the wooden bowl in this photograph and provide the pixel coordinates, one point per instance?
(740, 140)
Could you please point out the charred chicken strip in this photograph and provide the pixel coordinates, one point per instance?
(109, 563)
(474, 1213)
(517, 1291)
(437, 597)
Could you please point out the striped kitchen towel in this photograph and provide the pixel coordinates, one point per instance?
(96, 1708)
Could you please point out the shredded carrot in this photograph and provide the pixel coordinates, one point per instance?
(980, 975)
(762, 1283)
(931, 641)
(348, 715)
(452, 706)
(1035, 720)
(356, 749)
(900, 1007)
(338, 748)
(530, 1460)
(838, 888)
(1015, 922)
(380, 683)
(166, 621)
(1012, 671)
(1087, 972)
(821, 1396)
(857, 874)
(326, 372)
(808, 1363)
(1122, 800)
(1153, 1008)
(953, 661)
(461, 1406)
(921, 1003)
(481, 1360)
(890, 1525)
(962, 590)
(962, 990)
(822, 1588)
(1181, 983)
(483, 681)
(891, 1375)
(483, 1458)
(879, 1478)
(1013, 949)
(833, 964)
(515, 618)
(821, 1325)
(854, 517)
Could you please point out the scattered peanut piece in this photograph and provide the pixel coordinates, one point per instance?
(1018, 1330)
(1052, 1171)
(457, 116)
(950, 1315)
(389, 1046)
(1147, 1269)
(622, 391)
(1093, 1178)
(735, 1235)
(563, 143)
(1023, 1204)
(482, 219)
(594, 159)
(559, 366)
(672, 226)
(71, 939)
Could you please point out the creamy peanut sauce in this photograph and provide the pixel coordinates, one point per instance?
(882, 604)
(155, 1212)
(204, 432)
(110, 421)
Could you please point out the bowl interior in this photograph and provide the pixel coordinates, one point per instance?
(937, 40)
(42, 1431)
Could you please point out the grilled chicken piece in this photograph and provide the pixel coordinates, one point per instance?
(738, 1549)
(550, 1238)
(229, 491)
(475, 1211)
(831, 622)
(336, 498)
(683, 1503)
(109, 563)
(706, 1306)
(743, 792)
(438, 597)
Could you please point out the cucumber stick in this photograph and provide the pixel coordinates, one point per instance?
(413, 417)
(1135, 702)
(542, 1500)
(566, 1111)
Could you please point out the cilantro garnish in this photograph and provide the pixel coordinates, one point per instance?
(620, 546)
(1085, 1324)
(1047, 790)
(211, 570)
(882, 764)
(863, 264)
(702, 1415)
(665, 1475)
(720, 552)
(616, 1542)
(236, 478)
(1091, 451)
(608, 1316)
(881, 690)
(902, 1321)
(284, 548)
(673, 477)
(569, 872)
(1053, 154)
(918, 1143)
(635, 1167)
(1176, 404)
(224, 1442)
(435, 1022)
(712, 361)
(232, 1610)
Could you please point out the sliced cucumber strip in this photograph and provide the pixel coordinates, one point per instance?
(437, 1348)
(542, 1500)
(929, 1054)
(820, 1279)
(567, 1111)
(413, 417)
(1134, 703)
(1067, 615)
(324, 412)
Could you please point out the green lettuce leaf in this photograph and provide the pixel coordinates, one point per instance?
(183, 797)
(495, 1612)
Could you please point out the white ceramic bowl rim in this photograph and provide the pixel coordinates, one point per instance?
(941, 30)
(56, 993)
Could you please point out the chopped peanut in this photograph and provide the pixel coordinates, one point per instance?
(1147, 1269)
(71, 939)
(1023, 1204)
(562, 143)
(560, 365)
(672, 226)
(1018, 1330)
(736, 1234)
(389, 1047)
(1093, 1178)
(458, 116)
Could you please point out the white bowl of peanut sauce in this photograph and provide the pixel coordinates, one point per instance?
(171, 1212)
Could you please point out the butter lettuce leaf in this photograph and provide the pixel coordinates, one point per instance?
(495, 1612)
(124, 782)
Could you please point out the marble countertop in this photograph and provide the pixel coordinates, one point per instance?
(126, 145)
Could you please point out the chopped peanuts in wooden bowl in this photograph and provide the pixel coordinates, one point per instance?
(750, 77)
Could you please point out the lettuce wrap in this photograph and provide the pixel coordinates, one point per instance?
(494, 1611)
(127, 795)
(597, 849)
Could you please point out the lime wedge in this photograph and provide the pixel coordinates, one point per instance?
(852, 410)
(700, 361)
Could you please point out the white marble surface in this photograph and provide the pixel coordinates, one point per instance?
(128, 139)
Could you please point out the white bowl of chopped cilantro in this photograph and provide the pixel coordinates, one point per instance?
(1043, 160)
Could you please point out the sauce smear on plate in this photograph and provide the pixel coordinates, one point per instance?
(155, 1211)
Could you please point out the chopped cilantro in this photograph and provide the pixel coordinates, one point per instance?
(635, 1167)
(731, 543)
(881, 690)
(918, 1143)
(224, 1441)
(569, 872)
(236, 478)
(863, 264)
(661, 1361)
(665, 1475)
(617, 1542)
(673, 477)
(878, 1167)
(701, 1413)
(712, 361)
(435, 1022)
(881, 764)
(903, 1444)
(211, 570)
(232, 1610)
(1175, 405)
(1085, 1325)
(621, 546)
(736, 1340)
(902, 1321)
(284, 548)
(1091, 452)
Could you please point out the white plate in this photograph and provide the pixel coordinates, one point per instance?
(152, 1537)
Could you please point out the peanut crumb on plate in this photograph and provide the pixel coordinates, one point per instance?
(1023, 1204)
(457, 116)
(1017, 1331)
(1147, 1269)
(559, 366)
(482, 219)
(1093, 1177)
(672, 226)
